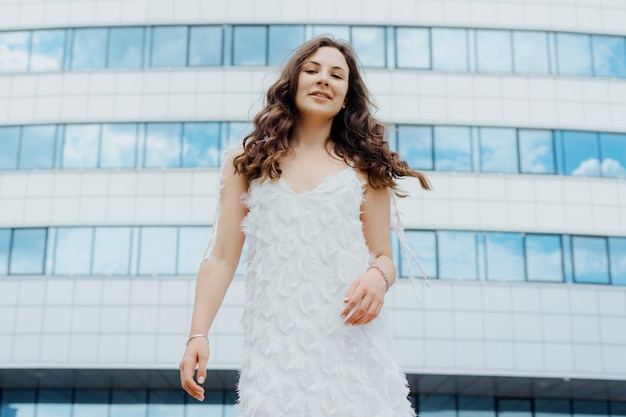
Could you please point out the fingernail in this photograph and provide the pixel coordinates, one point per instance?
(201, 380)
(343, 316)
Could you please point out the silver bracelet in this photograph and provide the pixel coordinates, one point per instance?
(383, 273)
(195, 336)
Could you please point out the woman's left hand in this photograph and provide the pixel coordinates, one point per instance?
(365, 298)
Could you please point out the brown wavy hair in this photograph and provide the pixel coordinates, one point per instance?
(355, 135)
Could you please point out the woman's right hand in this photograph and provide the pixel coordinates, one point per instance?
(197, 353)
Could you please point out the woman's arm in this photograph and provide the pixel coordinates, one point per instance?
(367, 294)
(215, 275)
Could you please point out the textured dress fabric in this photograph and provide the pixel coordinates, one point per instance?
(299, 358)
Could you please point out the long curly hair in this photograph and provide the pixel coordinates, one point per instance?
(355, 136)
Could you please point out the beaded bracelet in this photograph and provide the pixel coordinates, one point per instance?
(383, 273)
(195, 336)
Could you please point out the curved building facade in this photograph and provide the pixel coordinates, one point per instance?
(113, 116)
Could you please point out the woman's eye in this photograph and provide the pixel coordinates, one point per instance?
(310, 71)
(337, 76)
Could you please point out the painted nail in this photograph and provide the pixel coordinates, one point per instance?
(201, 380)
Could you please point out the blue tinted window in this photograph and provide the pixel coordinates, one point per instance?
(249, 45)
(80, 146)
(125, 47)
(613, 151)
(452, 149)
(423, 244)
(618, 409)
(415, 146)
(158, 251)
(544, 259)
(590, 408)
(191, 246)
(118, 147)
(505, 257)
(369, 45)
(282, 41)
(166, 403)
(573, 54)
(213, 404)
(111, 253)
(169, 46)
(9, 146)
(90, 403)
(235, 134)
(73, 251)
(609, 56)
(18, 403)
(493, 50)
(498, 150)
(163, 142)
(5, 246)
(28, 251)
(437, 406)
(536, 151)
(617, 255)
(530, 52)
(37, 150)
(205, 45)
(54, 403)
(581, 152)
(514, 408)
(128, 403)
(47, 50)
(338, 32)
(201, 145)
(476, 407)
(552, 408)
(591, 263)
(14, 51)
(449, 49)
(412, 48)
(90, 46)
(457, 255)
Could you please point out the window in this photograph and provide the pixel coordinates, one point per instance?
(126, 47)
(47, 50)
(581, 153)
(617, 255)
(118, 147)
(452, 149)
(613, 152)
(112, 248)
(536, 149)
(9, 146)
(157, 251)
(5, 246)
(166, 403)
(412, 48)
(530, 52)
(609, 56)
(552, 408)
(437, 406)
(590, 408)
(169, 46)
(544, 258)
(573, 54)
(90, 403)
(90, 46)
(283, 40)
(205, 45)
(591, 264)
(493, 50)
(457, 255)
(37, 149)
(514, 408)
(73, 251)
(163, 143)
(201, 145)
(449, 49)
(249, 45)
(128, 403)
(28, 251)
(498, 150)
(80, 147)
(54, 402)
(192, 245)
(476, 407)
(369, 45)
(14, 51)
(423, 244)
(505, 257)
(18, 402)
(415, 145)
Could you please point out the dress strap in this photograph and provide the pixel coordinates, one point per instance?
(409, 255)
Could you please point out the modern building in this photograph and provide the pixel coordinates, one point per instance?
(112, 118)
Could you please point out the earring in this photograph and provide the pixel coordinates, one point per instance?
(344, 106)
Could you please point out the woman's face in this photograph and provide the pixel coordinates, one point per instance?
(322, 84)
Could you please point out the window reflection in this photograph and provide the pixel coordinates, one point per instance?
(128, 403)
(91, 403)
(9, 146)
(169, 46)
(536, 149)
(505, 257)
(282, 41)
(613, 152)
(582, 156)
(205, 45)
(201, 145)
(544, 260)
(609, 56)
(89, 49)
(617, 255)
(213, 405)
(591, 264)
(166, 403)
(498, 150)
(28, 251)
(81, 145)
(249, 45)
(424, 246)
(18, 403)
(437, 406)
(415, 144)
(47, 50)
(37, 150)
(14, 51)
(191, 247)
(54, 403)
(552, 408)
(449, 49)
(583, 408)
(412, 48)
(163, 145)
(5, 246)
(157, 253)
(493, 50)
(73, 250)
(573, 54)
(457, 255)
(530, 52)
(119, 145)
(514, 408)
(452, 148)
(476, 407)
(235, 133)
(369, 45)
(111, 254)
(125, 47)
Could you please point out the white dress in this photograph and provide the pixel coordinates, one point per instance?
(299, 358)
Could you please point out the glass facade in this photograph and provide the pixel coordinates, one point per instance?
(447, 49)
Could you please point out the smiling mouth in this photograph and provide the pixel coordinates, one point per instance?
(321, 95)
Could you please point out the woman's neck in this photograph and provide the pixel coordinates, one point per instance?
(310, 134)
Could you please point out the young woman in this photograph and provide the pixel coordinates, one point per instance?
(310, 190)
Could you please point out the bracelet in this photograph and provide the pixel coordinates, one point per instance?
(383, 273)
(195, 336)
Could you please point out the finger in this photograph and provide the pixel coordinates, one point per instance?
(352, 302)
(360, 312)
(351, 291)
(187, 366)
(203, 358)
(374, 312)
